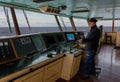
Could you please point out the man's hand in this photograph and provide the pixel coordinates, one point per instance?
(79, 41)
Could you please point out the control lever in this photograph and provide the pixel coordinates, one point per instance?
(49, 55)
(57, 50)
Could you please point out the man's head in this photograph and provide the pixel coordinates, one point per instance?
(92, 22)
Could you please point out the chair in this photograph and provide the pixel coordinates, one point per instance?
(108, 38)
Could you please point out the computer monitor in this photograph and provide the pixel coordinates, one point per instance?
(59, 37)
(23, 46)
(70, 37)
(38, 42)
(49, 40)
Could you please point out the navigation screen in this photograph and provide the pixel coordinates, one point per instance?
(70, 36)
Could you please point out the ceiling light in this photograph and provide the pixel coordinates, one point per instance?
(79, 11)
(39, 1)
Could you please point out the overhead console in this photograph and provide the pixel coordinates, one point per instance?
(49, 9)
(6, 51)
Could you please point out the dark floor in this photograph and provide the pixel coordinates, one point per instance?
(109, 61)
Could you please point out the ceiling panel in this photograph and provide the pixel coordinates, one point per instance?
(85, 8)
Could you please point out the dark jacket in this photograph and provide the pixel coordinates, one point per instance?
(92, 39)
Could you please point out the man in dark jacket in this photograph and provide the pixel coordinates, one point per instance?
(91, 40)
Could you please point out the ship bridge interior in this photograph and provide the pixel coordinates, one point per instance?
(27, 53)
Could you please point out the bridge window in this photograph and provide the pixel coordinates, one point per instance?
(38, 22)
(22, 22)
(117, 25)
(107, 25)
(65, 23)
(6, 22)
(81, 24)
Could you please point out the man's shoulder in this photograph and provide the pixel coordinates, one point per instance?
(96, 29)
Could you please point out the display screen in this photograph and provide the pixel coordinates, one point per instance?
(38, 42)
(70, 36)
(60, 38)
(23, 45)
(49, 40)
